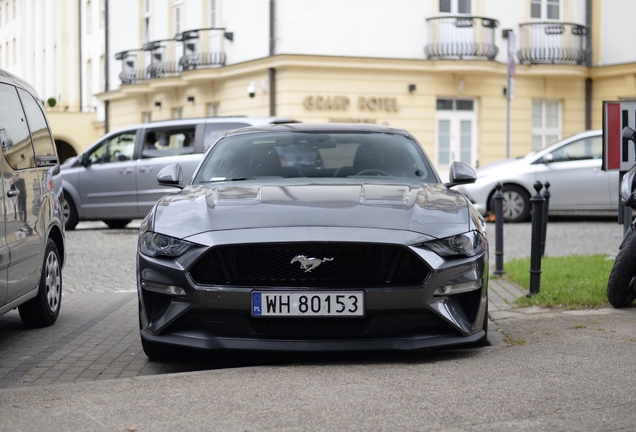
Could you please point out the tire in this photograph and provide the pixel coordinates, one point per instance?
(70, 213)
(44, 309)
(516, 204)
(620, 286)
(117, 223)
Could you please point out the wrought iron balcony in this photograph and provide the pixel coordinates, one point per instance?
(189, 50)
(130, 73)
(452, 37)
(163, 58)
(552, 42)
(202, 48)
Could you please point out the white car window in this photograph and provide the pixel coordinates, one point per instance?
(586, 148)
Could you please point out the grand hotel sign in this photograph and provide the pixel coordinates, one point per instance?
(365, 104)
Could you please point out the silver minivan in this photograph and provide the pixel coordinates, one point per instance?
(32, 248)
(115, 180)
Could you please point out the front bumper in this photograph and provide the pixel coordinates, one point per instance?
(396, 317)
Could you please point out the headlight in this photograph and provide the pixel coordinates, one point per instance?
(154, 244)
(468, 244)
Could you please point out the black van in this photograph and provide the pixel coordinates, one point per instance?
(32, 250)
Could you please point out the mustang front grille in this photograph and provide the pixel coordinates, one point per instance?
(337, 265)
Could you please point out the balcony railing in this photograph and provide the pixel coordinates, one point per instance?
(461, 37)
(162, 58)
(130, 66)
(202, 48)
(552, 42)
(189, 50)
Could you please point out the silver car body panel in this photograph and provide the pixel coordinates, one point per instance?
(575, 185)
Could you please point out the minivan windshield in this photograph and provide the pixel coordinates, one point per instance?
(315, 155)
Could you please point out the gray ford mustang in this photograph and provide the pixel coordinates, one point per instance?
(306, 237)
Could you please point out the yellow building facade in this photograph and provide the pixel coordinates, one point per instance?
(399, 93)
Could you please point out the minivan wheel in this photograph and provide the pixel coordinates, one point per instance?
(70, 213)
(45, 307)
(117, 223)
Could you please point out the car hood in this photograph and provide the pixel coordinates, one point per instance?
(505, 165)
(429, 209)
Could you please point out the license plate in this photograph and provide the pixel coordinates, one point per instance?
(283, 303)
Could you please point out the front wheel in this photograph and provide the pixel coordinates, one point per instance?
(45, 307)
(620, 287)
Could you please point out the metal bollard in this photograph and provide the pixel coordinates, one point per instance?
(546, 194)
(535, 248)
(499, 252)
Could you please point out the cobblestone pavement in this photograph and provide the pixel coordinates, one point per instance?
(96, 336)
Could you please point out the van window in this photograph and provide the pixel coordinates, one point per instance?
(117, 148)
(14, 134)
(40, 134)
(168, 142)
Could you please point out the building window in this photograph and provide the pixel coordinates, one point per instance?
(455, 6)
(102, 13)
(546, 123)
(89, 82)
(14, 54)
(13, 9)
(178, 7)
(1, 9)
(213, 13)
(89, 17)
(545, 9)
(102, 75)
(146, 117)
(6, 53)
(214, 109)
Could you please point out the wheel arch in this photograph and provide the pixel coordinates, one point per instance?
(56, 235)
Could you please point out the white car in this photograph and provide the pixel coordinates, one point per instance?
(572, 167)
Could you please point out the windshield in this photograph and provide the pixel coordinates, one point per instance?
(315, 155)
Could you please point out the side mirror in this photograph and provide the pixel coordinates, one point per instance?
(549, 158)
(629, 133)
(460, 173)
(85, 161)
(172, 175)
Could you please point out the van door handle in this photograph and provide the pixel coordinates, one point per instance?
(125, 171)
(145, 169)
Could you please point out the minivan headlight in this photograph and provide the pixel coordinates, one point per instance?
(469, 244)
(154, 244)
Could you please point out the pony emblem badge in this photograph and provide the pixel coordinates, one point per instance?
(308, 264)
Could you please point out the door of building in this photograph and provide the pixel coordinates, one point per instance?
(456, 137)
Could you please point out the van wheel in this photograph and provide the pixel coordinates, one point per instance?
(70, 213)
(45, 307)
(117, 223)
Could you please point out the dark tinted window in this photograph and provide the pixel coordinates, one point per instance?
(214, 130)
(14, 133)
(40, 134)
(316, 155)
(168, 142)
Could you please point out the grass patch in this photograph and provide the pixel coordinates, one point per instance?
(514, 342)
(572, 282)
